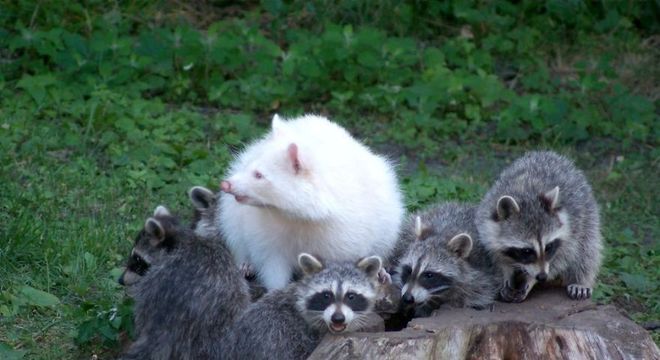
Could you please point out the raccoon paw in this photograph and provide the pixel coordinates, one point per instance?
(384, 277)
(578, 292)
(509, 294)
(247, 271)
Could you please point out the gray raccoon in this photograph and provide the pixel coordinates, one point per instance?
(289, 323)
(540, 222)
(445, 262)
(184, 304)
(149, 250)
(204, 224)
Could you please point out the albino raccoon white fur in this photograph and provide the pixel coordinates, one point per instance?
(308, 186)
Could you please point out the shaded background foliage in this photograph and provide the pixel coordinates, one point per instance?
(108, 109)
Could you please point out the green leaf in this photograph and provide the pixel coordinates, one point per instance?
(8, 353)
(36, 86)
(637, 282)
(37, 297)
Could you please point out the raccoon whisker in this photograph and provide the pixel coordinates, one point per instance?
(359, 322)
(439, 289)
(435, 301)
(317, 323)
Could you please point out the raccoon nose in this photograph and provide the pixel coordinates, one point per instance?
(408, 298)
(225, 186)
(338, 318)
(541, 277)
(121, 280)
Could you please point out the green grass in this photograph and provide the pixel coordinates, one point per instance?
(105, 115)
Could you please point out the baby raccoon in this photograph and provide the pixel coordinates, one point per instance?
(445, 262)
(150, 247)
(289, 323)
(185, 303)
(204, 224)
(540, 222)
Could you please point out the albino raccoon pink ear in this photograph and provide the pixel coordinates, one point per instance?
(155, 231)
(506, 206)
(161, 211)
(551, 198)
(461, 245)
(309, 264)
(294, 157)
(371, 265)
(201, 197)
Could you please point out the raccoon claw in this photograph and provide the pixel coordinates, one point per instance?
(247, 271)
(578, 292)
(384, 277)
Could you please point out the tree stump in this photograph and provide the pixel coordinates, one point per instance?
(548, 325)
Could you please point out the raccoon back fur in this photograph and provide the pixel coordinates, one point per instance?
(204, 224)
(445, 261)
(289, 323)
(187, 302)
(308, 186)
(540, 222)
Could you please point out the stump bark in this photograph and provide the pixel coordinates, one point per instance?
(548, 325)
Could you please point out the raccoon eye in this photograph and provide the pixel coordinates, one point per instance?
(552, 247)
(356, 302)
(320, 301)
(406, 270)
(523, 256)
(258, 175)
(138, 265)
(433, 280)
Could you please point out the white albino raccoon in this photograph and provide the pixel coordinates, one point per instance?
(308, 186)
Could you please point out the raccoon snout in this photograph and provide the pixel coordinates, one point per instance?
(225, 186)
(121, 280)
(408, 299)
(541, 277)
(337, 318)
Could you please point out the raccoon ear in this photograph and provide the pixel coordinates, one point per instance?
(418, 227)
(201, 197)
(309, 264)
(370, 265)
(155, 230)
(294, 157)
(277, 121)
(506, 206)
(461, 245)
(277, 124)
(551, 199)
(161, 211)
(421, 232)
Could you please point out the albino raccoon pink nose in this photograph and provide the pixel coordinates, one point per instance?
(225, 186)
